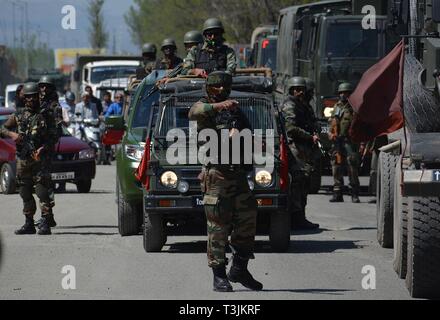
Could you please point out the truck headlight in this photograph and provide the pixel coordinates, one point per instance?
(169, 179)
(263, 178)
(134, 152)
(86, 154)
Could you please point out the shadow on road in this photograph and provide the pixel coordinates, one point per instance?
(91, 233)
(297, 246)
(337, 292)
(86, 227)
(91, 192)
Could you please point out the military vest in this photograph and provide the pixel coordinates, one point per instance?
(211, 61)
(344, 115)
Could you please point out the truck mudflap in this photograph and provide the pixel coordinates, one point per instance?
(421, 183)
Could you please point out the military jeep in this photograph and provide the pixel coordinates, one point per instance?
(173, 192)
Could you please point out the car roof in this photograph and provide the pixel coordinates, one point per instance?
(12, 87)
(115, 63)
(6, 111)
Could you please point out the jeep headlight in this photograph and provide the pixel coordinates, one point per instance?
(86, 154)
(263, 178)
(169, 179)
(134, 152)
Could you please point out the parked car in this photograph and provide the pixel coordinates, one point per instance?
(73, 161)
(10, 95)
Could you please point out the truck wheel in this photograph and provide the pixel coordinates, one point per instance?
(400, 226)
(154, 232)
(279, 232)
(7, 179)
(423, 277)
(385, 198)
(84, 186)
(128, 215)
(421, 106)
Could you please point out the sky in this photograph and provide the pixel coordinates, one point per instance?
(45, 17)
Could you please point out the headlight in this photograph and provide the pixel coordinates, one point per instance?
(183, 187)
(86, 154)
(263, 178)
(134, 152)
(169, 180)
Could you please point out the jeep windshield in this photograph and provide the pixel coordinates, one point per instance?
(175, 114)
(348, 39)
(143, 108)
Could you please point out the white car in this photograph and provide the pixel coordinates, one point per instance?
(10, 95)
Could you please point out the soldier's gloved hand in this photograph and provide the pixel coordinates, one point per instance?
(226, 105)
(315, 139)
(37, 154)
(199, 73)
(15, 136)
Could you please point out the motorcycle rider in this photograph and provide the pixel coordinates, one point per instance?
(116, 108)
(69, 108)
(85, 110)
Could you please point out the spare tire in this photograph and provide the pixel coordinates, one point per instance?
(385, 198)
(420, 104)
(423, 276)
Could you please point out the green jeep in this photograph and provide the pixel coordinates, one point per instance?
(173, 192)
(130, 133)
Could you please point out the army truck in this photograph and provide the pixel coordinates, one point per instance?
(173, 194)
(326, 42)
(408, 188)
(264, 47)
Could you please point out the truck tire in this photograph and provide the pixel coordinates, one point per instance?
(423, 277)
(385, 198)
(279, 231)
(420, 105)
(154, 232)
(400, 226)
(84, 186)
(7, 179)
(128, 215)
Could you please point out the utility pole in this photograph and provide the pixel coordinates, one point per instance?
(13, 25)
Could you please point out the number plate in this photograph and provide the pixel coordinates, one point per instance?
(436, 176)
(63, 176)
(198, 202)
(325, 129)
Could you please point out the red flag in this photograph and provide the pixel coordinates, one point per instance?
(141, 171)
(378, 99)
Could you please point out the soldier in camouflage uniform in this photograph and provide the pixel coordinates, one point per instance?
(230, 207)
(169, 60)
(192, 39)
(212, 55)
(344, 152)
(300, 124)
(35, 138)
(149, 52)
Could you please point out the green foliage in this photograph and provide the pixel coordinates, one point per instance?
(97, 36)
(154, 20)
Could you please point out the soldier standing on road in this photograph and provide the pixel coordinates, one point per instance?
(344, 151)
(192, 39)
(35, 139)
(230, 206)
(300, 124)
(149, 51)
(170, 60)
(212, 55)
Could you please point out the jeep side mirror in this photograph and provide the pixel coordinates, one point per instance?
(436, 11)
(115, 123)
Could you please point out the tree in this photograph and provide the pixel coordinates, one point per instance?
(97, 36)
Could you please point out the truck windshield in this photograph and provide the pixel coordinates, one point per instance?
(269, 53)
(349, 39)
(100, 74)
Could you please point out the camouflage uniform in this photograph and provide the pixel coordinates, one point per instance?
(344, 152)
(210, 59)
(230, 206)
(300, 124)
(166, 64)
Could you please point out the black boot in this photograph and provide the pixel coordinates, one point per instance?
(240, 274)
(221, 282)
(337, 197)
(28, 227)
(44, 228)
(50, 221)
(355, 196)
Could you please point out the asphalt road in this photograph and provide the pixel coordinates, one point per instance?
(323, 265)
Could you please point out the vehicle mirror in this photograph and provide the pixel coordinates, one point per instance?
(76, 76)
(436, 11)
(115, 123)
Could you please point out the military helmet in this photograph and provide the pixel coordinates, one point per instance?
(345, 87)
(149, 48)
(168, 43)
(70, 96)
(193, 37)
(297, 82)
(30, 88)
(310, 84)
(211, 24)
(46, 79)
(219, 78)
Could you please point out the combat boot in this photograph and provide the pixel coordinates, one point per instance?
(221, 282)
(355, 197)
(43, 227)
(28, 227)
(240, 274)
(337, 197)
(50, 220)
